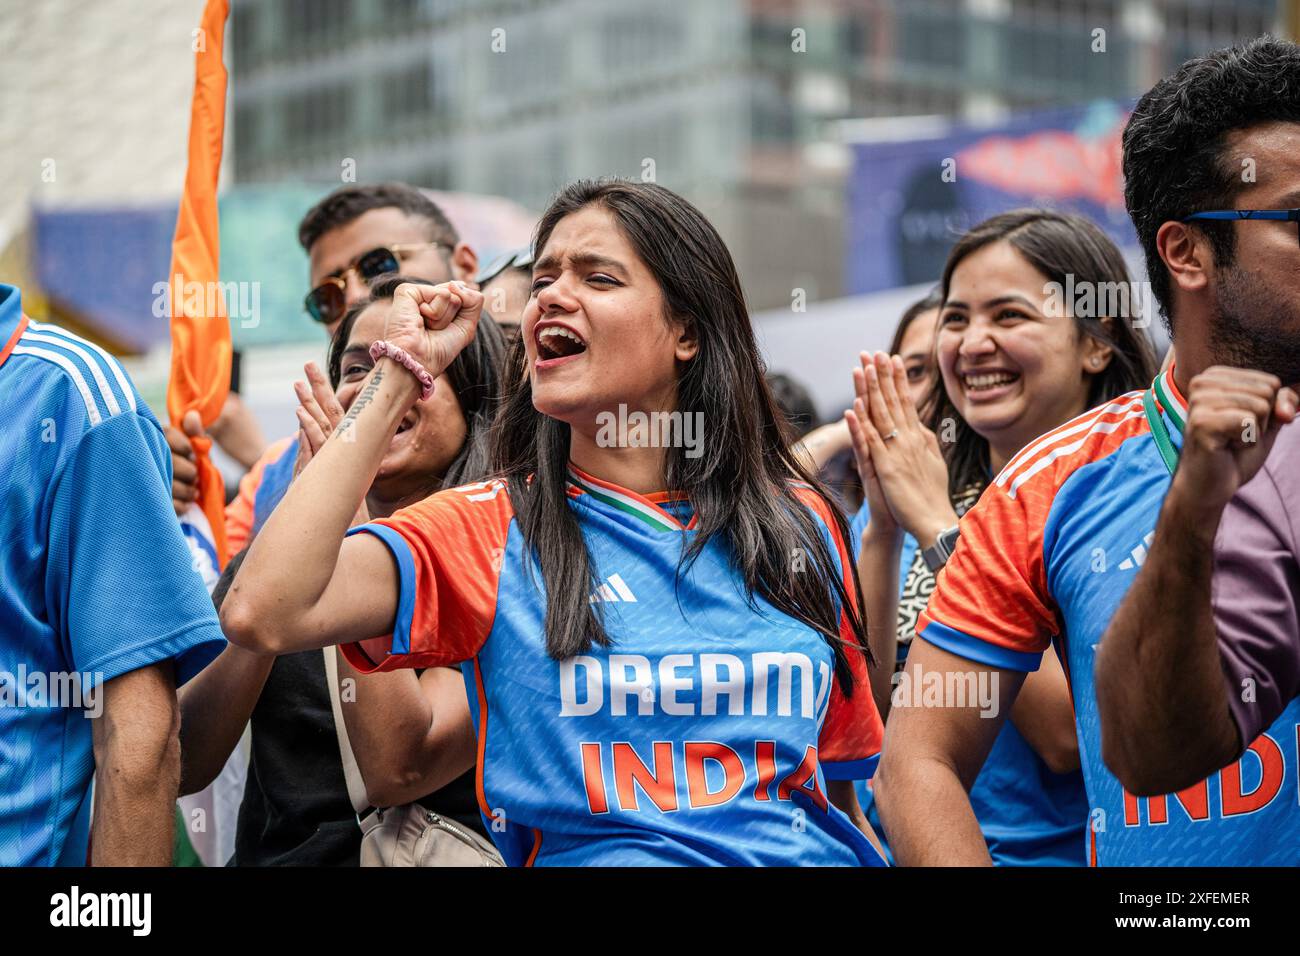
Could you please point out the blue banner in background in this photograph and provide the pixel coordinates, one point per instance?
(908, 201)
(106, 267)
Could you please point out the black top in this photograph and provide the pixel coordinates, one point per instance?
(296, 810)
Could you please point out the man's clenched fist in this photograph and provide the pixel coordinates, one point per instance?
(1233, 418)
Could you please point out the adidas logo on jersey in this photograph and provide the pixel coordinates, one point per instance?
(614, 589)
(1138, 554)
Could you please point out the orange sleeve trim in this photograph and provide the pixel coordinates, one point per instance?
(13, 339)
(537, 847)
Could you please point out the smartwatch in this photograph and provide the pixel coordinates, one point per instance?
(937, 555)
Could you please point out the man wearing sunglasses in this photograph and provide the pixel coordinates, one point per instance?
(353, 235)
(1095, 542)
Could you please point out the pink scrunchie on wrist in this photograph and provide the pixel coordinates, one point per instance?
(407, 361)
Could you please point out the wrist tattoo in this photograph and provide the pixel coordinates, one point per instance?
(365, 398)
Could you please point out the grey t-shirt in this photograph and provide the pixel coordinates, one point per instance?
(1256, 589)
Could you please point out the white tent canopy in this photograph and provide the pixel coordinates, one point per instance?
(819, 347)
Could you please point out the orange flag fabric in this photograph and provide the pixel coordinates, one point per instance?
(200, 330)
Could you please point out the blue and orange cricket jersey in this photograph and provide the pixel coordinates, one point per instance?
(1047, 555)
(1029, 814)
(95, 576)
(704, 733)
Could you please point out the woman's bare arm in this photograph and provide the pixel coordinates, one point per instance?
(878, 563)
(845, 797)
(215, 707)
(410, 735)
(1045, 717)
(822, 444)
(302, 585)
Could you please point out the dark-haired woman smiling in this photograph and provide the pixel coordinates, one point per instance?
(664, 636)
(1013, 363)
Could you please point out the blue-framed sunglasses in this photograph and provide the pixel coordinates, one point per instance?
(1293, 215)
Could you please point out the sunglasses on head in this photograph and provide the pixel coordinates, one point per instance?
(521, 258)
(328, 302)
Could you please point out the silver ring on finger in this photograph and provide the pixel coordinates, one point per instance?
(892, 434)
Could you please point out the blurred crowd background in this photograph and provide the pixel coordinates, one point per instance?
(838, 145)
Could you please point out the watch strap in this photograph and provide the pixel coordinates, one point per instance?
(937, 555)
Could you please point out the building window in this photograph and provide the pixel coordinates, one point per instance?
(408, 93)
(313, 21)
(316, 117)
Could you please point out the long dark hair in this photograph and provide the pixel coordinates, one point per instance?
(475, 376)
(742, 488)
(1057, 245)
(933, 300)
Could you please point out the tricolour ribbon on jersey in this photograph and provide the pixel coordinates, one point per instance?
(200, 368)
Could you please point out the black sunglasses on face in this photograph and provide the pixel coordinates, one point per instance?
(1231, 214)
(327, 302)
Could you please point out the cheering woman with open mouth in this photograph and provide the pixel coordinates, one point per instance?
(652, 605)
